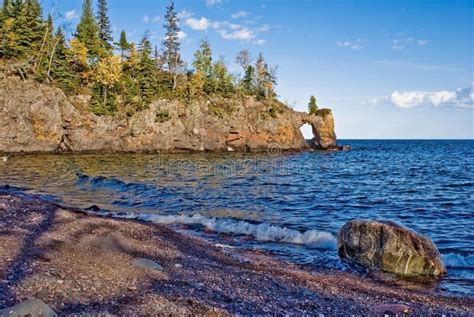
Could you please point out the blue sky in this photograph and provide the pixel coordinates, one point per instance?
(388, 69)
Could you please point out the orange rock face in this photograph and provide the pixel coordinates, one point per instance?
(40, 118)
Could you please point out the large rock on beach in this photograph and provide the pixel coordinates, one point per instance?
(31, 307)
(390, 247)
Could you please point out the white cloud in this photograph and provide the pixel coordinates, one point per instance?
(198, 24)
(461, 98)
(146, 19)
(211, 3)
(183, 15)
(182, 35)
(355, 45)
(244, 34)
(422, 42)
(156, 19)
(401, 44)
(239, 14)
(259, 42)
(71, 15)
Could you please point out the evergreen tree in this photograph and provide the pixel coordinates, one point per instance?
(203, 64)
(171, 43)
(265, 78)
(61, 71)
(129, 82)
(248, 82)
(7, 9)
(7, 35)
(28, 27)
(87, 31)
(312, 105)
(105, 28)
(146, 66)
(123, 44)
(223, 81)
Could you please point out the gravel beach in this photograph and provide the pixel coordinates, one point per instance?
(78, 263)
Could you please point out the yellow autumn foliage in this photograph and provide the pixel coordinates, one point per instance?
(108, 71)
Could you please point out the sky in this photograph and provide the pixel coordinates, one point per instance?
(388, 69)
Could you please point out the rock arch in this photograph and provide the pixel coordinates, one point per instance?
(322, 125)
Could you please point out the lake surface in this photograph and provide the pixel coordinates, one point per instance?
(290, 204)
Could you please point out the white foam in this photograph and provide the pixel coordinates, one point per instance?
(458, 261)
(261, 232)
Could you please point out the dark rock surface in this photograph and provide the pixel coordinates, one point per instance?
(389, 247)
(40, 118)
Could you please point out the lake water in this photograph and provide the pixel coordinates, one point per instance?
(290, 204)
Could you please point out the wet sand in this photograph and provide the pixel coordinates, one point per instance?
(80, 263)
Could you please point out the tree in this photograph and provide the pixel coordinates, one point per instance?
(7, 9)
(28, 27)
(79, 54)
(223, 81)
(61, 70)
(106, 75)
(203, 64)
(312, 105)
(244, 59)
(146, 67)
(123, 44)
(87, 31)
(105, 29)
(248, 81)
(265, 78)
(171, 43)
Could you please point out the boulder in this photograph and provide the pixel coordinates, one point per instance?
(31, 307)
(146, 264)
(390, 247)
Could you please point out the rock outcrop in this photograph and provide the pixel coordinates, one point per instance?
(40, 118)
(389, 247)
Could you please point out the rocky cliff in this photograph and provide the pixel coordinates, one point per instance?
(40, 118)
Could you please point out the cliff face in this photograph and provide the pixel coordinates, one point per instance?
(40, 118)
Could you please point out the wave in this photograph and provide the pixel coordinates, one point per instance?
(101, 182)
(455, 260)
(261, 232)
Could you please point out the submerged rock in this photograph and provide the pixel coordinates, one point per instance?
(31, 307)
(389, 247)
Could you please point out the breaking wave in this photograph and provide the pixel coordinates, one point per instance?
(454, 260)
(261, 232)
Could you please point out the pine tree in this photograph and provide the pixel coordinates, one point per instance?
(248, 82)
(171, 43)
(203, 64)
(312, 105)
(105, 29)
(7, 9)
(146, 66)
(7, 35)
(28, 27)
(223, 81)
(129, 82)
(123, 44)
(87, 31)
(61, 71)
(265, 78)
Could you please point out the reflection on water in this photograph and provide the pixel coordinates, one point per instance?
(291, 204)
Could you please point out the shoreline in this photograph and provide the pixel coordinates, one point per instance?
(80, 263)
